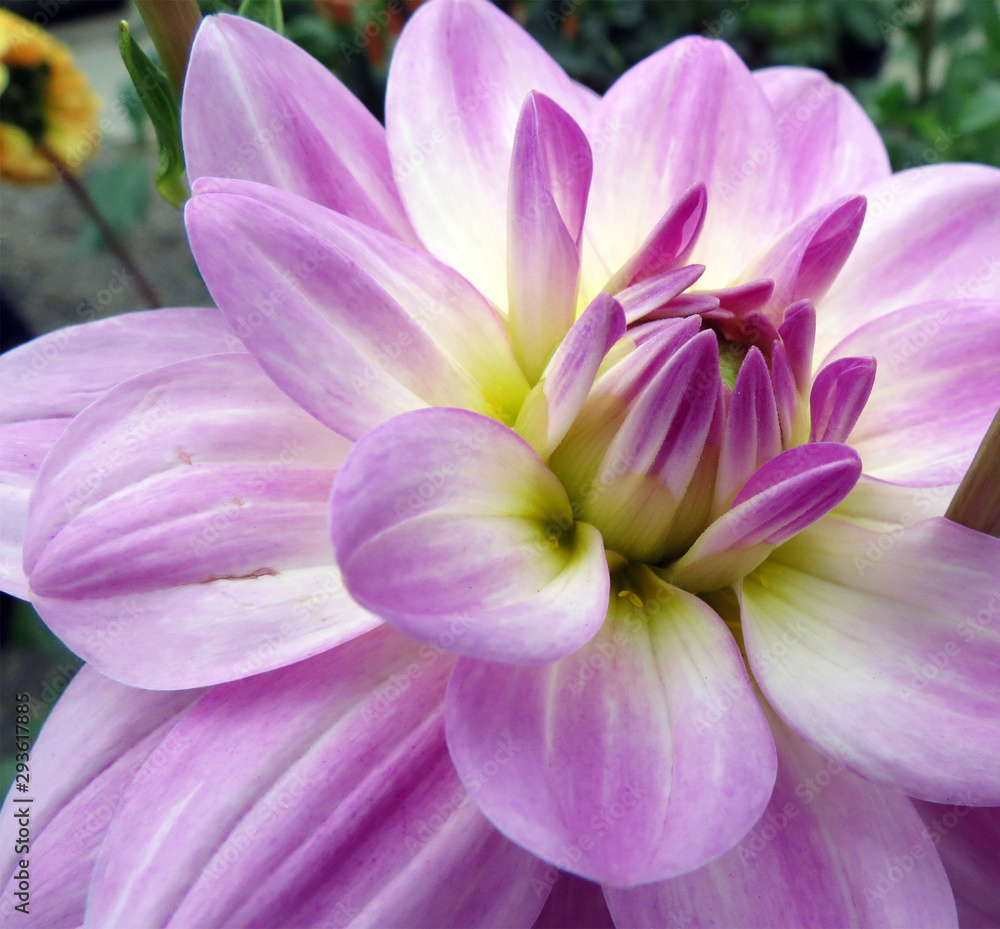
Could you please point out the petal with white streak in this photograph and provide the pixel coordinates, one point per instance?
(178, 533)
(643, 755)
(883, 650)
(448, 525)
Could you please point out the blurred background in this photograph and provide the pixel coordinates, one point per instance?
(927, 72)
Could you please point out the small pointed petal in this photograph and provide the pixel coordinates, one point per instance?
(936, 391)
(783, 497)
(968, 841)
(626, 769)
(930, 232)
(643, 298)
(744, 298)
(354, 325)
(459, 75)
(719, 121)
(318, 794)
(649, 463)
(832, 850)
(753, 432)
(798, 334)
(666, 246)
(544, 217)
(838, 397)
(833, 147)
(178, 532)
(257, 107)
(551, 407)
(47, 381)
(786, 395)
(842, 620)
(446, 523)
(806, 259)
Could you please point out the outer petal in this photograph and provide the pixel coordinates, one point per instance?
(930, 234)
(353, 325)
(258, 107)
(90, 748)
(720, 131)
(46, 382)
(833, 147)
(936, 390)
(641, 756)
(831, 850)
(883, 649)
(320, 794)
(448, 525)
(178, 532)
(968, 841)
(459, 75)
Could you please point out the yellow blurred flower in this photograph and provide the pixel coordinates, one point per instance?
(44, 100)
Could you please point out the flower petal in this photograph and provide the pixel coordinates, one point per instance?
(552, 406)
(353, 325)
(348, 811)
(257, 107)
(178, 533)
(833, 147)
(458, 78)
(929, 234)
(643, 755)
(46, 382)
(831, 850)
(88, 752)
(882, 649)
(782, 497)
(720, 132)
(449, 526)
(549, 180)
(968, 841)
(936, 391)
(838, 397)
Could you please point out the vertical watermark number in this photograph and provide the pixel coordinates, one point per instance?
(22, 804)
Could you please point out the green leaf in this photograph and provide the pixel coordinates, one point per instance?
(982, 109)
(157, 95)
(266, 12)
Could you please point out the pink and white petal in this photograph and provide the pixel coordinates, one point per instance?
(936, 390)
(842, 620)
(691, 113)
(544, 221)
(806, 259)
(930, 233)
(881, 506)
(833, 147)
(838, 397)
(968, 841)
(448, 525)
(257, 107)
(551, 407)
(831, 850)
(353, 325)
(574, 902)
(349, 810)
(89, 750)
(178, 532)
(459, 75)
(663, 290)
(781, 498)
(46, 382)
(641, 756)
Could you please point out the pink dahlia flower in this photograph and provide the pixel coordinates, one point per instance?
(555, 504)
